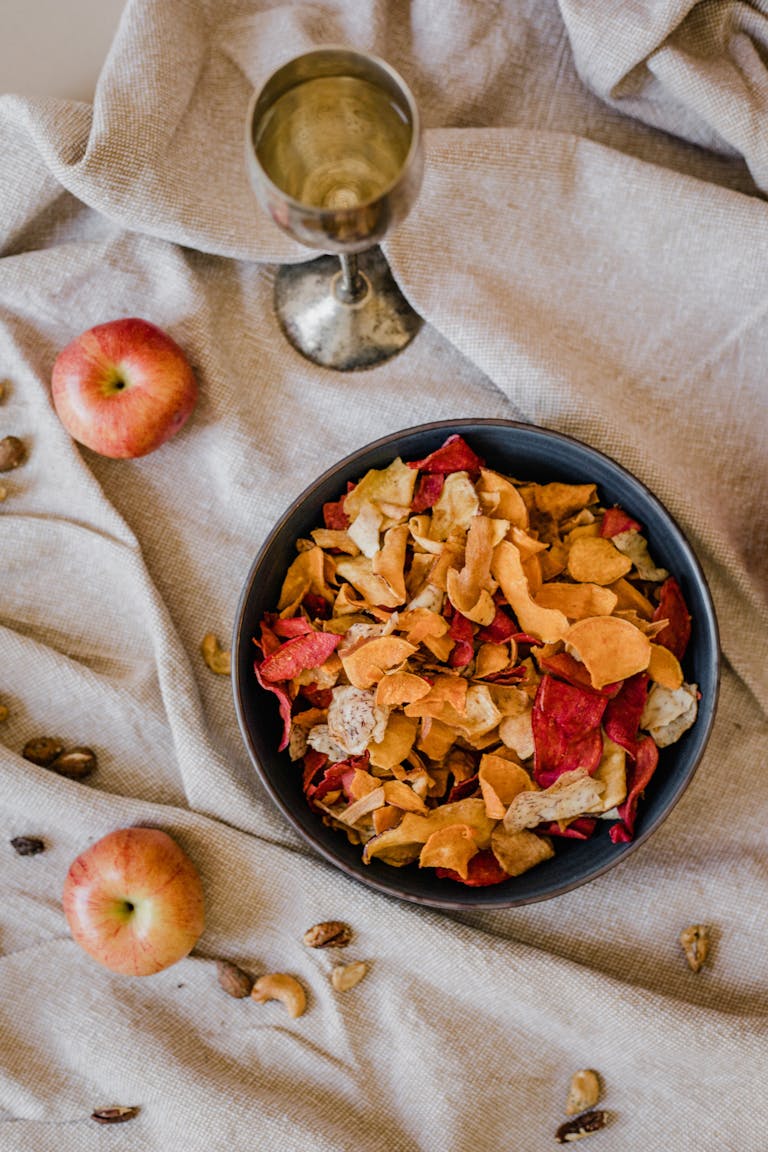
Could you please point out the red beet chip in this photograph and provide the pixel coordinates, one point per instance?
(483, 869)
(268, 641)
(579, 829)
(574, 710)
(338, 775)
(298, 655)
(616, 520)
(512, 674)
(314, 762)
(428, 489)
(284, 705)
(622, 714)
(638, 777)
(553, 754)
(464, 789)
(672, 607)
(293, 626)
(568, 668)
(455, 455)
(501, 628)
(317, 606)
(317, 697)
(462, 632)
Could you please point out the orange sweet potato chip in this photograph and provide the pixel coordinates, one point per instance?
(595, 560)
(546, 623)
(402, 796)
(631, 598)
(389, 561)
(386, 817)
(396, 743)
(562, 500)
(509, 504)
(491, 658)
(436, 739)
(576, 601)
(375, 589)
(369, 661)
(452, 847)
(611, 648)
(306, 574)
(500, 781)
(396, 688)
(664, 667)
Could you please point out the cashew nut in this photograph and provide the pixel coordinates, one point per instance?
(217, 658)
(279, 986)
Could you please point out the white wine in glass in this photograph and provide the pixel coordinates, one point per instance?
(334, 152)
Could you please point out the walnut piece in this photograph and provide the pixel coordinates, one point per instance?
(695, 942)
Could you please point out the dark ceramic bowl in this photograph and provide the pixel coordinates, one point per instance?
(525, 452)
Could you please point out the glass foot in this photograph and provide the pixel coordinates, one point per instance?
(341, 334)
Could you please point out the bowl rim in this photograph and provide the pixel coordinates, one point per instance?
(475, 897)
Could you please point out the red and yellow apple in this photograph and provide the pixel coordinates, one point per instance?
(123, 388)
(134, 901)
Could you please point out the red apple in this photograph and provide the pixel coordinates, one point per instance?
(134, 901)
(123, 388)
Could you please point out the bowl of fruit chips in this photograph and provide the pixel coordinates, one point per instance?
(476, 663)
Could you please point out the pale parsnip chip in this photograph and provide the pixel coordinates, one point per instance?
(358, 571)
(664, 667)
(635, 546)
(365, 529)
(612, 649)
(452, 847)
(420, 528)
(392, 485)
(516, 852)
(594, 560)
(573, 794)
(500, 781)
(455, 507)
(668, 714)
(612, 772)
(516, 732)
(404, 842)
(577, 601)
(370, 660)
(335, 538)
(320, 739)
(363, 806)
(546, 623)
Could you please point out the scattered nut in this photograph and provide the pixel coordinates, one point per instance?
(328, 934)
(3, 492)
(279, 986)
(115, 1115)
(4, 713)
(2, 390)
(217, 658)
(346, 976)
(75, 764)
(12, 453)
(583, 1091)
(695, 942)
(28, 845)
(43, 750)
(582, 1126)
(233, 980)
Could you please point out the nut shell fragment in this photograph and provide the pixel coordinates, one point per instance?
(75, 763)
(581, 1126)
(218, 659)
(583, 1091)
(346, 976)
(12, 453)
(328, 934)
(116, 1115)
(42, 751)
(27, 845)
(695, 942)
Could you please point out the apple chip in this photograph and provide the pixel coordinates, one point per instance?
(368, 662)
(392, 485)
(500, 781)
(516, 852)
(452, 847)
(664, 667)
(611, 648)
(546, 623)
(562, 500)
(595, 560)
(577, 601)
(574, 793)
(395, 744)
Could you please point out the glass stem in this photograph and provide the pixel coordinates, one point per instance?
(352, 284)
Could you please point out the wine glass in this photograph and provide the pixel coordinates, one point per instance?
(334, 154)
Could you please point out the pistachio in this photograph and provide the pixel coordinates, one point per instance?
(581, 1126)
(328, 934)
(43, 750)
(695, 942)
(28, 845)
(117, 1114)
(583, 1091)
(217, 658)
(346, 976)
(12, 453)
(233, 980)
(75, 764)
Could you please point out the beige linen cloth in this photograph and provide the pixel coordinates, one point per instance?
(590, 252)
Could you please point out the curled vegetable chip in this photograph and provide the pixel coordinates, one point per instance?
(672, 608)
(611, 648)
(546, 623)
(668, 714)
(573, 794)
(516, 852)
(483, 870)
(640, 775)
(296, 655)
(595, 560)
(455, 455)
(615, 520)
(452, 847)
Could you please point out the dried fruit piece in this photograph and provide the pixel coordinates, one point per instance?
(217, 658)
(43, 750)
(581, 1126)
(75, 763)
(115, 1115)
(695, 942)
(12, 453)
(346, 976)
(328, 934)
(583, 1091)
(28, 845)
(279, 986)
(233, 980)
